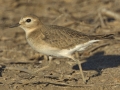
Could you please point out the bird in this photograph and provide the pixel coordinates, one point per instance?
(56, 41)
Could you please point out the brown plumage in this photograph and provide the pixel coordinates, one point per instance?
(62, 37)
(55, 40)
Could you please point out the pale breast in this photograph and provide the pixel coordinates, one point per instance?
(44, 48)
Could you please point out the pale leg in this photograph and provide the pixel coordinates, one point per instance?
(45, 67)
(80, 67)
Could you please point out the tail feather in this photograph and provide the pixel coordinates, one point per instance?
(108, 36)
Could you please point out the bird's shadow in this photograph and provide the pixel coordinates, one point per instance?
(99, 61)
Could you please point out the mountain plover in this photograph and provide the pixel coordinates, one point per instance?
(57, 41)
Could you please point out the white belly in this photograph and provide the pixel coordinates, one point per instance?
(47, 50)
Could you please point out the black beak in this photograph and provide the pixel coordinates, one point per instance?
(16, 25)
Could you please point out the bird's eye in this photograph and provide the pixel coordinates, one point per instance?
(28, 20)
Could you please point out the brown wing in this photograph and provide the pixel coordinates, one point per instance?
(63, 37)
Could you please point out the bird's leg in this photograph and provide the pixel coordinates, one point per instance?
(79, 65)
(43, 68)
(50, 59)
(81, 71)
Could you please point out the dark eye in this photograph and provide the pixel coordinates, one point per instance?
(28, 20)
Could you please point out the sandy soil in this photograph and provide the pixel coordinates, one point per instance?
(18, 60)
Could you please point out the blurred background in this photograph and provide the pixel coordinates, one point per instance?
(88, 16)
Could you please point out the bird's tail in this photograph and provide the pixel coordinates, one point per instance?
(108, 36)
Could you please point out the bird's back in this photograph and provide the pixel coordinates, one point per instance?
(63, 37)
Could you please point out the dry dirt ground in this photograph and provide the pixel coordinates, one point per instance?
(18, 60)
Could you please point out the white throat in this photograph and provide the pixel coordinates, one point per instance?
(27, 30)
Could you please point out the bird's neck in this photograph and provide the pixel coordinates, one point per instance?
(35, 33)
(29, 31)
